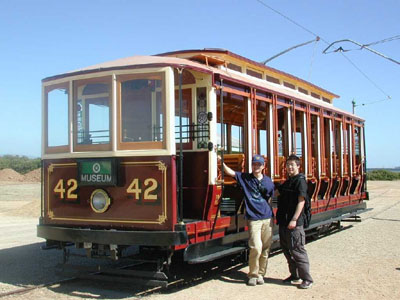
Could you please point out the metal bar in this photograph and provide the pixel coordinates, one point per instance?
(180, 150)
(289, 49)
(362, 47)
(221, 110)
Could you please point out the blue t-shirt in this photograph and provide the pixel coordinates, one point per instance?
(257, 192)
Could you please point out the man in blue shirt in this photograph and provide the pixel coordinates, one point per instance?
(258, 190)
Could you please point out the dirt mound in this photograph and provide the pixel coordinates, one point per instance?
(33, 176)
(10, 175)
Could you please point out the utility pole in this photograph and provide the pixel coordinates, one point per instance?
(354, 105)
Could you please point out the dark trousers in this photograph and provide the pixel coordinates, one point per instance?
(292, 243)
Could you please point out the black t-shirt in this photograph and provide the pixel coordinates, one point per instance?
(288, 199)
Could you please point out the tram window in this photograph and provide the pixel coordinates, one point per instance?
(92, 108)
(337, 149)
(234, 142)
(237, 139)
(219, 141)
(262, 126)
(186, 115)
(57, 115)
(142, 111)
(357, 144)
(234, 121)
(282, 131)
(314, 144)
(299, 133)
(314, 136)
(326, 146)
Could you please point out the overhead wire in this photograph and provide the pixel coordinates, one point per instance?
(373, 102)
(393, 38)
(317, 35)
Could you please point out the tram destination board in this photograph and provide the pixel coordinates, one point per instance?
(102, 171)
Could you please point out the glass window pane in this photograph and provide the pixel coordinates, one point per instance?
(57, 117)
(142, 109)
(93, 113)
(186, 115)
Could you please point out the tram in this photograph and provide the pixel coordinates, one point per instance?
(129, 153)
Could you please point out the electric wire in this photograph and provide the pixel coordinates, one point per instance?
(361, 47)
(393, 38)
(366, 76)
(373, 102)
(325, 41)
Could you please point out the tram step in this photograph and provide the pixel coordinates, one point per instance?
(216, 255)
(137, 277)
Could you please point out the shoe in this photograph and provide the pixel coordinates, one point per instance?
(305, 284)
(260, 280)
(292, 279)
(252, 281)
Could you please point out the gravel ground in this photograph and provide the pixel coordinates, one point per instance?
(362, 262)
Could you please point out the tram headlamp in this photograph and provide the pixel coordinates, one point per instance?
(99, 201)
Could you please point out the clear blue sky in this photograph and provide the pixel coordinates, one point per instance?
(42, 38)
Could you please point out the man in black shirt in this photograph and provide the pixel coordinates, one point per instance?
(290, 217)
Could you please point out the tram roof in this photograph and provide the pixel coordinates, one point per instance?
(220, 56)
(190, 59)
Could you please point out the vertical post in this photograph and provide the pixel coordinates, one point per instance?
(180, 71)
(353, 105)
(221, 110)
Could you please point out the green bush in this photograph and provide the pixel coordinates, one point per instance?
(21, 164)
(383, 175)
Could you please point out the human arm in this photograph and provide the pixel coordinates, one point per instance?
(297, 213)
(228, 171)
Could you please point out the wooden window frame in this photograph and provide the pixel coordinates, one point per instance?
(141, 145)
(95, 147)
(62, 148)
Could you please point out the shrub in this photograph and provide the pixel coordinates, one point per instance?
(20, 164)
(383, 175)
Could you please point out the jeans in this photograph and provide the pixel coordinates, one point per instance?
(259, 243)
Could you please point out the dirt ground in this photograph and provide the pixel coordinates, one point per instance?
(361, 262)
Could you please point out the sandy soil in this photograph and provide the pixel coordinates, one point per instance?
(362, 262)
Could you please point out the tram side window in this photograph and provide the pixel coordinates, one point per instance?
(263, 128)
(282, 140)
(328, 136)
(142, 111)
(346, 149)
(186, 116)
(234, 121)
(314, 144)
(282, 131)
(57, 115)
(299, 134)
(337, 150)
(357, 144)
(92, 112)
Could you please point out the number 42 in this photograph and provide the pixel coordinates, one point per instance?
(151, 185)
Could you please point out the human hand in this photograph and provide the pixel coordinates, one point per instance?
(292, 224)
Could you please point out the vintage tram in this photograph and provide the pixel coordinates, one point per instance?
(129, 152)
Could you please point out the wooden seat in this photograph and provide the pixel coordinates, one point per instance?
(235, 162)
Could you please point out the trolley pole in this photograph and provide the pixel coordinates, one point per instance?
(353, 105)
